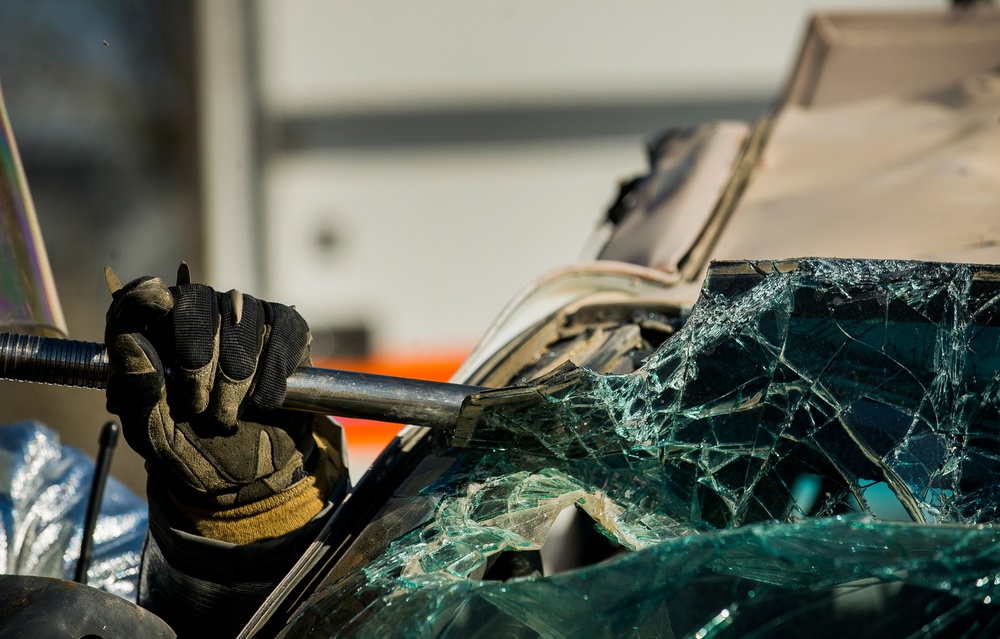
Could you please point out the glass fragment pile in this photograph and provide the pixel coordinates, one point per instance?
(815, 453)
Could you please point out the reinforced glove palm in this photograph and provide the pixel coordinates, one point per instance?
(213, 432)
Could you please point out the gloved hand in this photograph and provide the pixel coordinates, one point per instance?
(214, 437)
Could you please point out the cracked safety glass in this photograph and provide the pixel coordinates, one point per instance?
(815, 453)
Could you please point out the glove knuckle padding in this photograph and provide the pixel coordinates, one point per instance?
(139, 303)
(131, 353)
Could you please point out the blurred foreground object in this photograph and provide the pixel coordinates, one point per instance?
(28, 299)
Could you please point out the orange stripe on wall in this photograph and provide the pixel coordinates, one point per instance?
(366, 437)
(436, 365)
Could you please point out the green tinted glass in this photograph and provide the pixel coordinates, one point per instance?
(815, 453)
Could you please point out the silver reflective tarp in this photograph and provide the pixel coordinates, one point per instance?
(43, 499)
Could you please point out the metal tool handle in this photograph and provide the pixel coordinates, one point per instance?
(102, 466)
(50, 360)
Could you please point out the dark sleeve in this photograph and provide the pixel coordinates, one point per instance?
(207, 588)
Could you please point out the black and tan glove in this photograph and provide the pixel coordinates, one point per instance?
(215, 440)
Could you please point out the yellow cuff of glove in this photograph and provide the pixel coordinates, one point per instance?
(274, 516)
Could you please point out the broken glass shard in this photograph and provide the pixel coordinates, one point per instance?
(815, 453)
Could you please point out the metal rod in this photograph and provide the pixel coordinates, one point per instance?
(50, 360)
(107, 441)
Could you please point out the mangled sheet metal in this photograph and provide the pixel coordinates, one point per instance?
(813, 453)
(886, 146)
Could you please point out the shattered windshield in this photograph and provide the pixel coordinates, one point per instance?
(814, 453)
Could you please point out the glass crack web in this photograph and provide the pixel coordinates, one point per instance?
(815, 453)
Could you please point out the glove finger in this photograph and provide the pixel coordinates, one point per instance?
(137, 394)
(286, 347)
(140, 303)
(241, 337)
(195, 349)
(135, 389)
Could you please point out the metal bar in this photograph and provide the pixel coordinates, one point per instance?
(107, 441)
(50, 360)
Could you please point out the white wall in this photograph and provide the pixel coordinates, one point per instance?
(382, 54)
(432, 240)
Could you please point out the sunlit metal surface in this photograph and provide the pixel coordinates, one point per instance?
(28, 300)
(43, 499)
(343, 393)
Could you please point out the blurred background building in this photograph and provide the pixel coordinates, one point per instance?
(395, 170)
